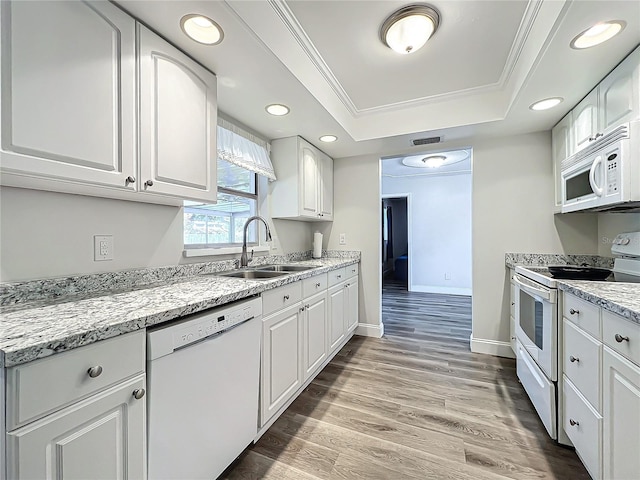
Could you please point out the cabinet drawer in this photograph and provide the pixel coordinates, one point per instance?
(583, 425)
(584, 314)
(313, 285)
(42, 386)
(351, 271)
(582, 362)
(621, 335)
(337, 276)
(281, 297)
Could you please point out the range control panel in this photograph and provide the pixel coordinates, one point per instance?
(199, 326)
(626, 245)
(612, 172)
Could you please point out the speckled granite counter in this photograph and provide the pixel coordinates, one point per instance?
(617, 297)
(36, 329)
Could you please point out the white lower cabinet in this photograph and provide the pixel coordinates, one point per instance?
(101, 437)
(281, 359)
(314, 328)
(337, 306)
(621, 411)
(352, 306)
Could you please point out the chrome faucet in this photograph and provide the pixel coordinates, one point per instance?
(244, 259)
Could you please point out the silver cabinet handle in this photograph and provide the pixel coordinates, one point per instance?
(138, 393)
(149, 183)
(619, 338)
(307, 306)
(573, 359)
(338, 276)
(95, 371)
(318, 285)
(573, 422)
(513, 338)
(302, 308)
(285, 298)
(574, 312)
(513, 304)
(130, 179)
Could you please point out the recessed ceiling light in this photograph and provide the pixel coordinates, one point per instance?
(277, 109)
(201, 29)
(408, 29)
(546, 103)
(599, 33)
(328, 138)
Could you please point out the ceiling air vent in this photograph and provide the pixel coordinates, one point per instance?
(426, 141)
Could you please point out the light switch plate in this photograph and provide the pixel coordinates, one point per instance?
(343, 239)
(102, 247)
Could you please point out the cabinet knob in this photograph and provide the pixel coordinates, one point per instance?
(513, 303)
(573, 359)
(619, 338)
(573, 422)
(130, 179)
(338, 276)
(95, 371)
(574, 312)
(513, 338)
(285, 298)
(302, 308)
(307, 306)
(318, 285)
(138, 393)
(149, 183)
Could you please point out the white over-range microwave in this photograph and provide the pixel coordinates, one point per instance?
(606, 174)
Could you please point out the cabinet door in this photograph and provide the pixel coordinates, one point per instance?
(68, 92)
(309, 194)
(619, 93)
(326, 186)
(621, 412)
(102, 437)
(281, 359)
(314, 333)
(337, 307)
(561, 149)
(585, 121)
(351, 312)
(178, 120)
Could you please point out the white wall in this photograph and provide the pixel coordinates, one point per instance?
(441, 231)
(512, 212)
(611, 224)
(46, 234)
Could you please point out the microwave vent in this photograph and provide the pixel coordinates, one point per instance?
(426, 141)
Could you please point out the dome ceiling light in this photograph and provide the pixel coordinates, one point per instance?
(436, 160)
(546, 104)
(408, 29)
(201, 29)
(599, 33)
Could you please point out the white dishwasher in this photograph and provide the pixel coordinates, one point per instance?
(203, 376)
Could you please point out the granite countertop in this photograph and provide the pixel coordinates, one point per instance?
(618, 297)
(38, 329)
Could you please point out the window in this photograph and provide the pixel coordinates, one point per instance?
(241, 157)
(221, 224)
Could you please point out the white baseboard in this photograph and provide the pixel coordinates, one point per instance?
(369, 330)
(492, 347)
(443, 290)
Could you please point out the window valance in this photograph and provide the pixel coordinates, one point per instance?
(241, 148)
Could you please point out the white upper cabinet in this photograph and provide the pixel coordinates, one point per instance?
(304, 188)
(68, 92)
(178, 119)
(619, 93)
(585, 121)
(561, 144)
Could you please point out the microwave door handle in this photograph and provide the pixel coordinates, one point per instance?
(592, 176)
(543, 292)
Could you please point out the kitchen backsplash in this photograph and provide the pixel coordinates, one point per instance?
(74, 287)
(545, 259)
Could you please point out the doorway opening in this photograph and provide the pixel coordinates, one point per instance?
(395, 240)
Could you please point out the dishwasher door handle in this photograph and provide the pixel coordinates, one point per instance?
(213, 335)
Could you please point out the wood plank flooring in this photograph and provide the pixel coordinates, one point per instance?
(415, 404)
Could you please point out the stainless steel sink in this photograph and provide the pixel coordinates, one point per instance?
(285, 268)
(252, 274)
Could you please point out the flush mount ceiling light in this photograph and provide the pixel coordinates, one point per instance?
(201, 29)
(599, 33)
(277, 109)
(546, 104)
(328, 138)
(408, 29)
(435, 160)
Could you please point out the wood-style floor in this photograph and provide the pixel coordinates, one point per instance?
(415, 404)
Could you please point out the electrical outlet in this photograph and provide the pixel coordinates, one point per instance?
(343, 239)
(102, 247)
(447, 276)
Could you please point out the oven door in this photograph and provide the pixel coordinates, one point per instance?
(537, 323)
(583, 184)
